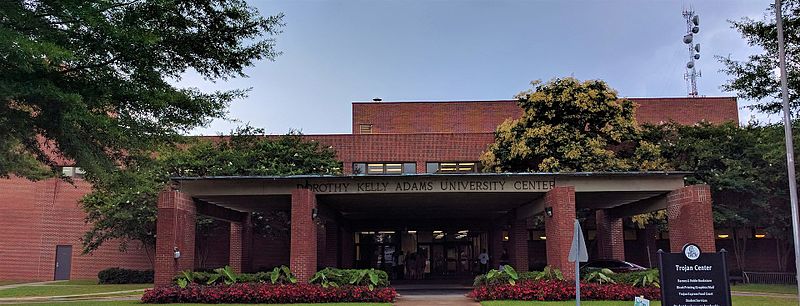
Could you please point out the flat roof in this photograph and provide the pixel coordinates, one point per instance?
(476, 175)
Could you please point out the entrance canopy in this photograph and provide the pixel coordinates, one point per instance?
(428, 199)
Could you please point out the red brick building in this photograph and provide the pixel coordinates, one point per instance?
(388, 139)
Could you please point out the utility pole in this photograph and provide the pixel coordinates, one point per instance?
(787, 126)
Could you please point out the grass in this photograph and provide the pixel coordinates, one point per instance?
(737, 301)
(785, 289)
(123, 303)
(67, 288)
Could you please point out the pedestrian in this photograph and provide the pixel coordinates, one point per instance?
(484, 260)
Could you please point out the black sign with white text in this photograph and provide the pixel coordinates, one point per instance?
(693, 278)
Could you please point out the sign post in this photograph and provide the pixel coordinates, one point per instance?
(578, 254)
(694, 278)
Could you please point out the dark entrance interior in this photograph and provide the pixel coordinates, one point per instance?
(63, 262)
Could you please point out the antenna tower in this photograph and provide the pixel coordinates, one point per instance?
(692, 28)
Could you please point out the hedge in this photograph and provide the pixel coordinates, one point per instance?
(260, 293)
(125, 276)
(557, 290)
(345, 276)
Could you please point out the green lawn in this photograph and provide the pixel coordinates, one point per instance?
(737, 301)
(787, 289)
(116, 303)
(67, 288)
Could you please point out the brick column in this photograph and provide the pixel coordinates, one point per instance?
(518, 244)
(175, 227)
(690, 218)
(348, 247)
(559, 228)
(610, 236)
(495, 247)
(303, 250)
(235, 247)
(331, 244)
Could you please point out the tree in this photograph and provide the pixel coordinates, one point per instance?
(755, 79)
(746, 169)
(570, 126)
(124, 206)
(90, 81)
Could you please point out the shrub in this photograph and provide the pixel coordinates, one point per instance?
(506, 276)
(560, 290)
(599, 276)
(125, 276)
(647, 278)
(357, 277)
(252, 293)
(279, 275)
(550, 273)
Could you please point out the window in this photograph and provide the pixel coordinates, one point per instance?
(384, 168)
(365, 128)
(452, 167)
(74, 172)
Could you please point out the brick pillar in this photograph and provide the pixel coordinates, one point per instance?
(518, 245)
(610, 236)
(559, 228)
(175, 227)
(690, 218)
(495, 247)
(303, 250)
(331, 244)
(235, 247)
(348, 247)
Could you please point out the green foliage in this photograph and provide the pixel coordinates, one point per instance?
(647, 278)
(226, 273)
(124, 276)
(338, 277)
(746, 169)
(754, 78)
(550, 273)
(96, 78)
(600, 276)
(280, 276)
(496, 277)
(571, 126)
(123, 205)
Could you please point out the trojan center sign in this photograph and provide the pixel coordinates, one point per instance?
(693, 278)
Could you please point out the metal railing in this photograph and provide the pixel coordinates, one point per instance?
(769, 277)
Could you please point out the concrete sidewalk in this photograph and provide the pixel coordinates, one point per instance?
(435, 300)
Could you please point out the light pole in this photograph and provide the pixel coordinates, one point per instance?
(787, 127)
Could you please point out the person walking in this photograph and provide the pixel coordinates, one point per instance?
(483, 258)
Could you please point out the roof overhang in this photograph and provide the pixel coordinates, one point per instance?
(478, 196)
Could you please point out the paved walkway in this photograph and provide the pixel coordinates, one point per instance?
(28, 284)
(435, 300)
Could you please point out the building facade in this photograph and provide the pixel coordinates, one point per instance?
(388, 139)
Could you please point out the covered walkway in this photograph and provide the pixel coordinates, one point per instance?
(344, 221)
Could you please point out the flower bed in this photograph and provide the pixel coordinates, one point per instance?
(252, 293)
(557, 290)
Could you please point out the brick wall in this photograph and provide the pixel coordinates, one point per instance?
(419, 148)
(46, 214)
(484, 116)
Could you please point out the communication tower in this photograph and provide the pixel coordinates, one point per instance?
(692, 28)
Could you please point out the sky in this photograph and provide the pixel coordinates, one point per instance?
(337, 52)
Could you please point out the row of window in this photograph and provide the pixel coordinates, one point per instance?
(411, 168)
